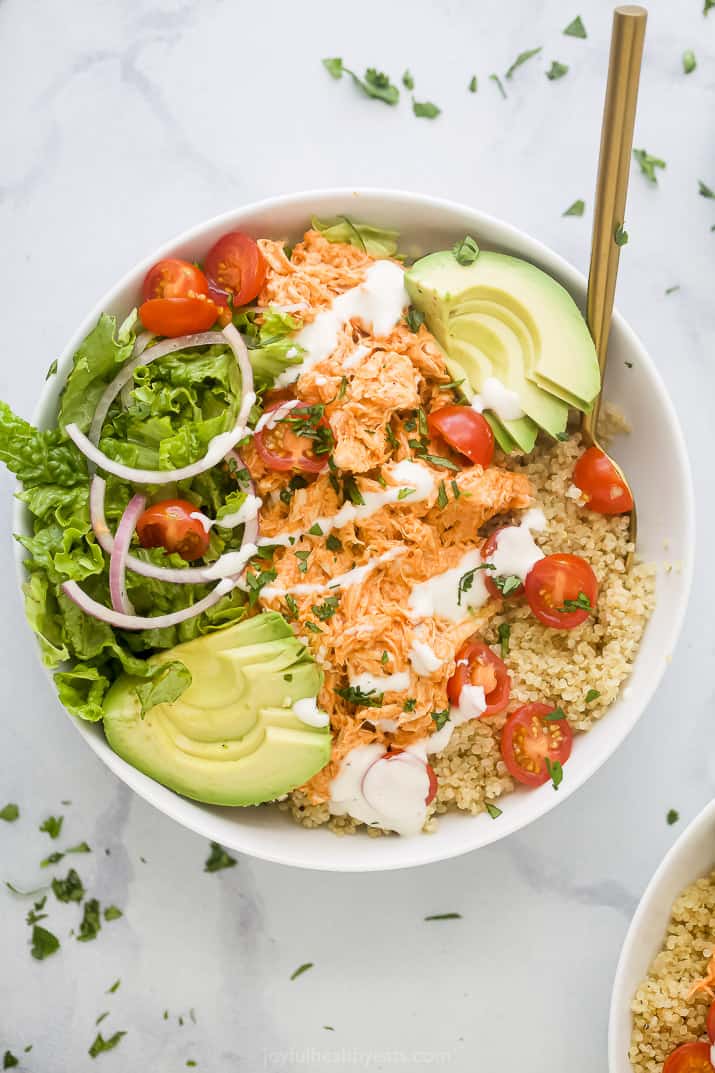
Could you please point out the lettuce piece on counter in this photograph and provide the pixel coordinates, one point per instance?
(375, 241)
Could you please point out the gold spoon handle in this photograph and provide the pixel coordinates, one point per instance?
(619, 111)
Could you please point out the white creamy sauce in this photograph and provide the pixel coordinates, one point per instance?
(472, 704)
(356, 356)
(308, 712)
(200, 517)
(423, 659)
(440, 595)
(341, 581)
(270, 418)
(499, 399)
(380, 792)
(374, 683)
(413, 482)
(231, 563)
(246, 512)
(378, 302)
(516, 551)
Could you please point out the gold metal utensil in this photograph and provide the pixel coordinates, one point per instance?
(619, 112)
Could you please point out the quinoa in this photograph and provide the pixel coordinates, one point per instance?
(554, 666)
(663, 1017)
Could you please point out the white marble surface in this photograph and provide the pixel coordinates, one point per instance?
(125, 122)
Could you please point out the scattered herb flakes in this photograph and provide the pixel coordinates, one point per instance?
(334, 66)
(115, 987)
(620, 235)
(327, 609)
(495, 78)
(33, 917)
(556, 70)
(648, 163)
(384, 658)
(23, 893)
(328, 1028)
(576, 28)
(301, 969)
(355, 695)
(455, 490)
(442, 498)
(100, 1045)
(302, 557)
(593, 694)
(292, 606)
(44, 943)
(374, 83)
(437, 460)
(190, 1062)
(405, 492)
(628, 364)
(410, 704)
(69, 889)
(315, 530)
(576, 209)
(563, 436)
(672, 816)
(408, 81)
(504, 633)
(689, 61)
(493, 810)
(440, 718)
(112, 912)
(101, 1018)
(521, 59)
(352, 492)
(466, 251)
(556, 715)
(555, 772)
(444, 916)
(52, 825)
(465, 583)
(255, 580)
(9, 813)
(90, 925)
(218, 858)
(508, 584)
(9, 1061)
(414, 318)
(333, 544)
(313, 627)
(704, 190)
(425, 109)
(672, 290)
(52, 370)
(581, 603)
(473, 84)
(708, 6)
(54, 858)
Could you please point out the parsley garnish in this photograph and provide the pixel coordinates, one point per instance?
(9, 1060)
(581, 603)
(522, 58)
(593, 694)
(440, 718)
(9, 813)
(69, 889)
(408, 81)
(620, 236)
(334, 66)
(352, 492)
(52, 370)
(391, 437)
(556, 70)
(34, 915)
(410, 704)
(444, 916)
(704, 190)
(343, 387)
(112, 912)
(555, 772)
(333, 544)
(302, 557)
(301, 969)
(466, 251)
(313, 627)
(442, 498)
(508, 584)
(455, 490)
(292, 607)
(405, 492)
(648, 164)
(422, 422)
(53, 858)
(437, 460)
(255, 580)
(218, 858)
(414, 318)
(689, 61)
(315, 530)
(113, 988)
(473, 84)
(672, 290)
(576, 209)
(52, 825)
(425, 109)
(102, 1017)
(504, 633)
(493, 811)
(556, 715)
(497, 79)
(327, 609)
(576, 28)
(708, 5)
(374, 84)
(101, 1045)
(309, 421)
(293, 485)
(90, 925)
(384, 658)
(81, 847)
(465, 583)
(355, 695)
(44, 943)
(672, 816)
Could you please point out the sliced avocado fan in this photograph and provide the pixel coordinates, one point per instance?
(232, 737)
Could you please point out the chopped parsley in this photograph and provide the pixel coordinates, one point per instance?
(493, 811)
(327, 609)
(384, 658)
(69, 889)
(620, 236)
(672, 290)
(581, 603)
(593, 694)
(352, 492)
(495, 78)
(355, 695)
(333, 544)
(81, 847)
(466, 251)
(255, 580)
(414, 318)
(442, 498)
(425, 109)
(405, 492)
(9, 1060)
(100, 1044)
(309, 421)
(90, 925)
(293, 485)
(52, 825)
(374, 83)
(101, 1017)
(315, 530)
(292, 608)
(54, 858)
(576, 209)
(689, 61)
(576, 28)
(522, 58)
(302, 557)
(410, 704)
(672, 816)
(301, 969)
(704, 190)
(408, 81)
(9, 813)
(218, 858)
(508, 584)
(422, 422)
(444, 916)
(343, 387)
(391, 437)
(465, 583)
(556, 70)
(455, 490)
(52, 370)
(112, 912)
(440, 718)
(473, 84)
(333, 66)
(504, 634)
(555, 772)
(556, 715)
(113, 988)
(437, 460)
(44, 943)
(34, 914)
(313, 627)
(648, 164)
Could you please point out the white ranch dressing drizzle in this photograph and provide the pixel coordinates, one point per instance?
(246, 512)
(340, 581)
(270, 418)
(375, 683)
(498, 398)
(424, 659)
(308, 712)
(516, 552)
(472, 704)
(407, 475)
(230, 564)
(355, 356)
(378, 302)
(440, 595)
(396, 790)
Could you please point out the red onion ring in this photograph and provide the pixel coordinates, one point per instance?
(120, 551)
(138, 622)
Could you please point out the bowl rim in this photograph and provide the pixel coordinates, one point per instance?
(199, 821)
(647, 906)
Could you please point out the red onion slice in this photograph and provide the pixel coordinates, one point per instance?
(120, 551)
(138, 622)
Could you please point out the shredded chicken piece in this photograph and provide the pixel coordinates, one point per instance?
(707, 984)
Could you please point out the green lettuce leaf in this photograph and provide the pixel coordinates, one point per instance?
(45, 618)
(270, 338)
(165, 685)
(82, 691)
(96, 362)
(375, 241)
(38, 457)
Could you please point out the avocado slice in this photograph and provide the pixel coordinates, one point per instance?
(520, 318)
(232, 737)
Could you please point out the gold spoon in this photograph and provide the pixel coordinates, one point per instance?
(619, 112)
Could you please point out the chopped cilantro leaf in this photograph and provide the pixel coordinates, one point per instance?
(508, 584)
(9, 1060)
(292, 608)
(9, 813)
(473, 84)
(444, 916)
(620, 236)
(425, 109)
(374, 84)
(408, 81)
(672, 290)
(466, 251)
(504, 633)
(555, 772)
(410, 704)
(576, 28)
(442, 498)
(414, 318)
(112, 912)
(495, 78)
(333, 544)
(69, 889)
(576, 209)
(493, 811)
(101, 1017)
(593, 694)
(440, 718)
(334, 66)
(522, 58)
(581, 603)
(90, 925)
(255, 580)
(301, 969)
(648, 164)
(556, 715)
(352, 492)
(100, 1045)
(327, 609)
(52, 825)
(363, 699)
(218, 858)
(455, 490)
(689, 61)
(44, 943)
(384, 658)
(52, 370)
(313, 627)
(315, 530)
(672, 816)
(405, 492)
(114, 987)
(54, 858)
(704, 190)
(437, 460)
(556, 70)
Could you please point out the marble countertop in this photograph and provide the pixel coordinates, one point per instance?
(128, 122)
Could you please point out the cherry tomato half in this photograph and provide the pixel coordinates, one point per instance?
(169, 525)
(432, 778)
(178, 316)
(477, 665)
(598, 478)
(284, 448)
(689, 1058)
(174, 278)
(561, 590)
(236, 266)
(488, 548)
(466, 431)
(529, 739)
(710, 1025)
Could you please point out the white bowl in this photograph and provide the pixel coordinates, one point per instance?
(692, 856)
(654, 457)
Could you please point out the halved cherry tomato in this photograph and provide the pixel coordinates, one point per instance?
(178, 316)
(689, 1058)
(174, 278)
(529, 739)
(281, 448)
(598, 478)
(477, 665)
(169, 525)
(432, 783)
(561, 590)
(488, 548)
(235, 265)
(466, 431)
(710, 1024)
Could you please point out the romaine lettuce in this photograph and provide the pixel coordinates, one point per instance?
(375, 241)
